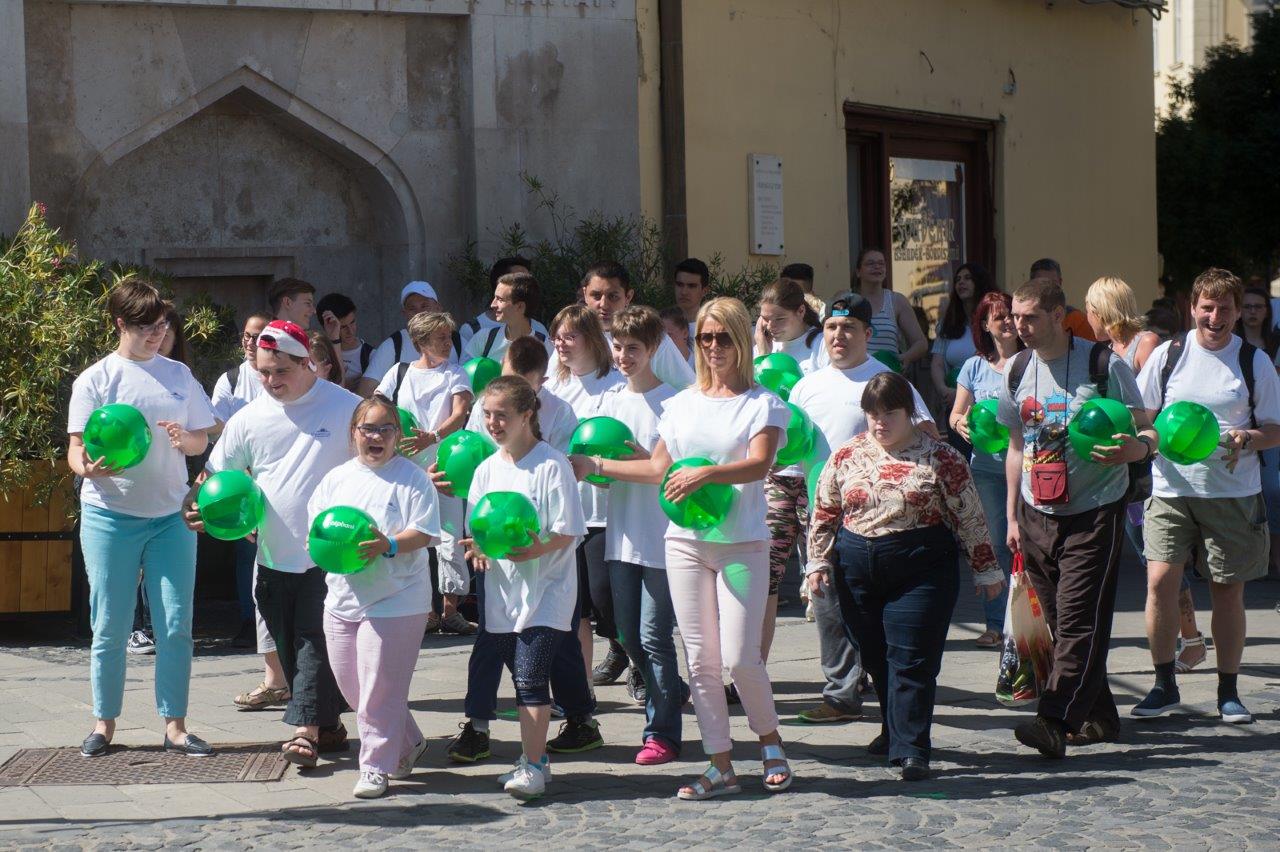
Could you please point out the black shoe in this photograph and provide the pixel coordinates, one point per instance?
(731, 694)
(609, 669)
(192, 747)
(576, 736)
(469, 746)
(879, 746)
(1045, 735)
(141, 642)
(636, 686)
(246, 637)
(94, 745)
(914, 769)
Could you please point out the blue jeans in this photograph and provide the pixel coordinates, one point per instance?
(114, 546)
(993, 491)
(897, 592)
(646, 625)
(1271, 487)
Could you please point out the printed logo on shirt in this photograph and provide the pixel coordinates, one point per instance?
(321, 433)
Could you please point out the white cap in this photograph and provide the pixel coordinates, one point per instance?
(422, 288)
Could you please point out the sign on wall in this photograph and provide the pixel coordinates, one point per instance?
(765, 182)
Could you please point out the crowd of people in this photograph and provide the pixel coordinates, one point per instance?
(899, 510)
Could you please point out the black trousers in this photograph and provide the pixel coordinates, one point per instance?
(292, 605)
(595, 591)
(896, 593)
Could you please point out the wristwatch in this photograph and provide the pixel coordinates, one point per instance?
(393, 547)
(1151, 448)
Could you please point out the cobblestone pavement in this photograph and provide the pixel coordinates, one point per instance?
(1183, 782)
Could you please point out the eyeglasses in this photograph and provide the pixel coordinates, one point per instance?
(719, 338)
(151, 328)
(386, 430)
(249, 338)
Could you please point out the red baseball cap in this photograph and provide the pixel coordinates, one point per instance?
(287, 337)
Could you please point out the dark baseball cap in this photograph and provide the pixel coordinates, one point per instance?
(849, 304)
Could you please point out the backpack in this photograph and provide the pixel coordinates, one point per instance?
(1100, 356)
(1176, 347)
(366, 353)
(493, 337)
(233, 376)
(402, 370)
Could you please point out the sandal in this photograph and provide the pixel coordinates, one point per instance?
(775, 752)
(717, 784)
(332, 740)
(1093, 732)
(262, 696)
(990, 639)
(301, 751)
(1181, 666)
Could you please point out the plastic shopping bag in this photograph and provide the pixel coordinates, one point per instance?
(1027, 655)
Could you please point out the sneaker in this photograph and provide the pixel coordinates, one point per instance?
(457, 624)
(544, 765)
(609, 669)
(370, 786)
(636, 687)
(405, 768)
(557, 712)
(140, 642)
(527, 781)
(655, 751)
(470, 746)
(825, 714)
(1044, 735)
(576, 736)
(1158, 702)
(433, 623)
(1233, 712)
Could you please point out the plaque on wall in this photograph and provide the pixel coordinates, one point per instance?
(765, 182)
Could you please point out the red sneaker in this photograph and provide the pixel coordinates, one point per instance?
(655, 751)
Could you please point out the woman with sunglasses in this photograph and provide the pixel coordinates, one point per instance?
(719, 577)
(130, 517)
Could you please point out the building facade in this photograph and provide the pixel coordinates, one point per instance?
(1186, 32)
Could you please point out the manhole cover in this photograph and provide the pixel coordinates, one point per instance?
(32, 767)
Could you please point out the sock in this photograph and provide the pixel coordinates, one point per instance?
(1165, 677)
(1227, 687)
(481, 725)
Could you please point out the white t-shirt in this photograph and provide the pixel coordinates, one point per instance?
(810, 355)
(1213, 379)
(541, 592)
(428, 395)
(556, 420)
(474, 348)
(668, 364)
(384, 357)
(398, 496)
(833, 400)
(162, 390)
(693, 424)
(288, 447)
(226, 401)
(585, 395)
(637, 524)
(482, 324)
(351, 361)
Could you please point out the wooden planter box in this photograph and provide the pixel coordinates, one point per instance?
(36, 544)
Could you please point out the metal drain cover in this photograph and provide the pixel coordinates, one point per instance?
(32, 767)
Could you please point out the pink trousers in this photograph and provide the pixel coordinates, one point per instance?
(373, 661)
(719, 592)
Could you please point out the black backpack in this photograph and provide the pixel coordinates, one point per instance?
(1247, 350)
(366, 353)
(233, 376)
(1100, 356)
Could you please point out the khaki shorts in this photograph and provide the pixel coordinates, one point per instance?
(1229, 534)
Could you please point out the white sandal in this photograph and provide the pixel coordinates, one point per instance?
(775, 752)
(1181, 667)
(718, 784)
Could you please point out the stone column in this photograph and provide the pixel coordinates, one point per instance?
(15, 176)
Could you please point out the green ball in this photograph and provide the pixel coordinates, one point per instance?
(702, 509)
(118, 434)
(481, 371)
(1094, 424)
(460, 454)
(800, 438)
(407, 424)
(889, 359)
(334, 540)
(606, 437)
(231, 505)
(986, 433)
(503, 521)
(1189, 432)
(778, 372)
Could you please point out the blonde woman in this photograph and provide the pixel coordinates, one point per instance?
(719, 578)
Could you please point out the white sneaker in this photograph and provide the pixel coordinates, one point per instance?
(528, 783)
(371, 785)
(405, 768)
(544, 765)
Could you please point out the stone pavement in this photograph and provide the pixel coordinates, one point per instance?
(1183, 782)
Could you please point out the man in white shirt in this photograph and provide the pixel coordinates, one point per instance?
(485, 319)
(415, 298)
(294, 300)
(288, 439)
(338, 316)
(515, 297)
(1214, 505)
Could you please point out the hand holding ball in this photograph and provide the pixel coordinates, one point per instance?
(335, 537)
(460, 454)
(704, 508)
(231, 505)
(1188, 432)
(503, 521)
(117, 434)
(604, 437)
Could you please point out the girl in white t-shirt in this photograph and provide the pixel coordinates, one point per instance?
(719, 578)
(530, 596)
(438, 394)
(373, 619)
(788, 323)
(131, 517)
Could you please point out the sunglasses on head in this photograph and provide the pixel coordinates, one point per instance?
(719, 338)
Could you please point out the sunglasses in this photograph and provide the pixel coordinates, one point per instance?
(719, 338)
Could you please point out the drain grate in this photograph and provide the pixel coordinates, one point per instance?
(32, 767)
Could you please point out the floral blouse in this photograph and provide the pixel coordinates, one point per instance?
(874, 492)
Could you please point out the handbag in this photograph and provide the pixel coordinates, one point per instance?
(1027, 654)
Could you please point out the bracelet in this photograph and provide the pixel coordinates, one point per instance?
(393, 548)
(1151, 448)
